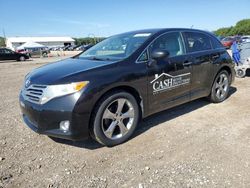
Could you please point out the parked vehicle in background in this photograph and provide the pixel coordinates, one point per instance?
(105, 91)
(66, 48)
(73, 47)
(84, 47)
(227, 42)
(220, 38)
(35, 52)
(7, 54)
(238, 38)
(245, 38)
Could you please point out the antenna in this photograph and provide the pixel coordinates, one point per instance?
(192, 26)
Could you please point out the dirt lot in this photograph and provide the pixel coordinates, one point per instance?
(194, 145)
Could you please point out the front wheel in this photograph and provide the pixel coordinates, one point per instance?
(45, 54)
(22, 58)
(220, 88)
(117, 115)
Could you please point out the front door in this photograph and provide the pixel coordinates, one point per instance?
(169, 79)
(9, 54)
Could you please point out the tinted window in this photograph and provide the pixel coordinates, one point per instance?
(116, 47)
(216, 43)
(143, 57)
(197, 42)
(172, 42)
(8, 51)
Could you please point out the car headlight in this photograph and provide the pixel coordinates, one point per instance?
(53, 91)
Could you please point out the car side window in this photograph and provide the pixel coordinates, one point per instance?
(196, 42)
(216, 43)
(143, 57)
(8, 51)
(171, 42)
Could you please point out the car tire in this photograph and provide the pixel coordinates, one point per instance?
(220, 88)
(115, 118)
(22, 58)
(45, 54)
(240, 73)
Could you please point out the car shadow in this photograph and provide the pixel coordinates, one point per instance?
(174, 112)
(148, 122)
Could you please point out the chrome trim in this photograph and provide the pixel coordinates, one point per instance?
(183, 41)
(33, 93)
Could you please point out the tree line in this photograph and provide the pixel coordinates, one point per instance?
(88, 40)
(241, 28)
(2, 42)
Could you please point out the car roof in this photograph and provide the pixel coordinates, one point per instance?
(162, 30)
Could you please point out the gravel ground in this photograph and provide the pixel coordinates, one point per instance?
(194, 145)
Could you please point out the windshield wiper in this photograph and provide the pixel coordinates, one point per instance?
(99, 59)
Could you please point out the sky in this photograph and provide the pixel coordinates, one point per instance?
(83, 18)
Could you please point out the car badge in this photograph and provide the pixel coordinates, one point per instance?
(27, 83)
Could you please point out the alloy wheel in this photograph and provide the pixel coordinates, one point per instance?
(221, 86)
(22, 58)
(118, 118)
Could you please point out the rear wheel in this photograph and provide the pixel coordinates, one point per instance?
(117, 116)
(220, 87)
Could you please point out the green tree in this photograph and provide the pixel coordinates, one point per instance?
(241, 28)
(88, 40)
(223, 31)
(2, 42)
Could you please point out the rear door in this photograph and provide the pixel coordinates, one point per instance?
(199, 48)
(169, 80)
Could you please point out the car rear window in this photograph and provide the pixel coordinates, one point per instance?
(216, 43)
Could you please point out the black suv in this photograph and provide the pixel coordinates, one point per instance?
(104, 91)
(7, 54)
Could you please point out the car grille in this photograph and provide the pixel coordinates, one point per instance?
(33, 93)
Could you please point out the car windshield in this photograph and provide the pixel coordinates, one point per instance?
(117, 47)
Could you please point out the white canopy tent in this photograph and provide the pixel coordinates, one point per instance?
(30, 44)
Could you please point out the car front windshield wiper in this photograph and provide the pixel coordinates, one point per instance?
(98, 58)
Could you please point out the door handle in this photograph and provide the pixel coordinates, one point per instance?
(216, 56)
(187, 63)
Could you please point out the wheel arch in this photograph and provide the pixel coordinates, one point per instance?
(226, 68)
(229, 71)
(125, 88)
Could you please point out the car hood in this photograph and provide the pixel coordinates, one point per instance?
(63, 71)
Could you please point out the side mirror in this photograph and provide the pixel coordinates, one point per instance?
(159, 54)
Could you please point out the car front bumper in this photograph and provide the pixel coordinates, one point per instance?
(45, 119)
